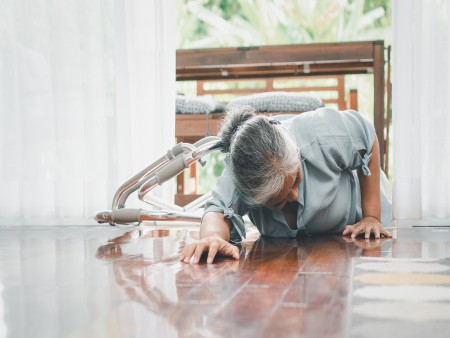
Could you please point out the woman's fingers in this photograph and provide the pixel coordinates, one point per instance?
(377, 233)
(385, 232)
(368, 231)
(201, 247)
(213, 245)
(230, 250)
(236, 252)
(357, 230)
(348, 230)
(366, 227)
(225, 249)
(188, 252)
(222, 247)
(213, 248)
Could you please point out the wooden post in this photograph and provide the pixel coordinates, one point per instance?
(352, 102)
(341, 92)
(378, 96)
(388, 110)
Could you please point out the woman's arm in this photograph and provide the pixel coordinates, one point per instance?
(370, 185)
(370, 200)
(215, 224)
(214, 236)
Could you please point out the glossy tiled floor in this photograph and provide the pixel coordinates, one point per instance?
(128, 282)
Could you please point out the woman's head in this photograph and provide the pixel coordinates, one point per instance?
(263, 155)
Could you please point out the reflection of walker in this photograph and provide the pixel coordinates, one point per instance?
(168, 166)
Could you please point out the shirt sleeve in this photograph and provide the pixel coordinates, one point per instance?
(225, 199)
(346, 137)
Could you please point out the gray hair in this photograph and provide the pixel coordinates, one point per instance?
(262, 154)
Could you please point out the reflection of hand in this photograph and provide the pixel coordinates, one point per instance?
(211, 244)
(366, 243)
(210, 271)
(367, 226)
(109, 251)
(152, 296)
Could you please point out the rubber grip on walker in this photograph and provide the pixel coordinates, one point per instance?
(177, 149)
(171, 170)
(125, 215)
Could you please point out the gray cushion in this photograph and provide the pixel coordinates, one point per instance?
(197, 105)
(279, 102)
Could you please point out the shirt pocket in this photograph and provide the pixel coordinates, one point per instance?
(338, 152)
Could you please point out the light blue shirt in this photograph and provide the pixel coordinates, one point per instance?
(329, 196)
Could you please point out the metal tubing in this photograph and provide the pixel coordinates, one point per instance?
(130, 186)
(175, 161)
(160, 203)
(178, 165)
(133, 216)
(169, 215)
(172, 169)
(197, 203)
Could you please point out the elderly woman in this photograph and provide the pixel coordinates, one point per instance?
(317, 172)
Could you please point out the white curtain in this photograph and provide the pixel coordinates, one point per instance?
(421, 110)
(86, 101)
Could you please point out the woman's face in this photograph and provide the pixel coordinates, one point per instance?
(288, 194)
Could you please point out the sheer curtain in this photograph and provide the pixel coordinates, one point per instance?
(86, 101)
(421, 110)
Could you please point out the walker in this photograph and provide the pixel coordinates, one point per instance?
(174, 162)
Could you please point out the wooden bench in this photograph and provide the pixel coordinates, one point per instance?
(192, 127)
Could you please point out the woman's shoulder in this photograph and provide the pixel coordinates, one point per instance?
(331, 114)
(324, 114)
(329, 121)
(320, 121)
(327, 124)
(327, 114)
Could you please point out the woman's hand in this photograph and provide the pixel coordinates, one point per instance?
(367, 226)
(210, 244)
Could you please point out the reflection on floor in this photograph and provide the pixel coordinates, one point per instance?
(128, 282)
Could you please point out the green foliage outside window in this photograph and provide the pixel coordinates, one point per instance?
(222, 23)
